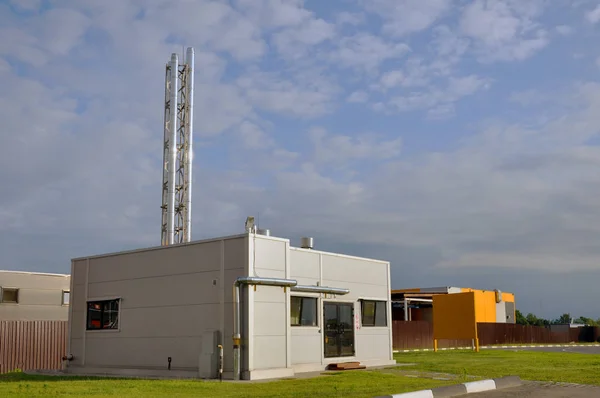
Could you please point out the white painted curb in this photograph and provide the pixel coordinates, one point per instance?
(479, 386)
(416, 394)
(462, 389)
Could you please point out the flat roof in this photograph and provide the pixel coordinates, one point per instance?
(440, 289)
(414, 292)
(247, 234)
(34, 273)
(159, 247)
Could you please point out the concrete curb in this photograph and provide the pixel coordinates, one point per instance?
(498, 347)
(462, 389)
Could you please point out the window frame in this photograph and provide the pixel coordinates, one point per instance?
(116, 327)
(3, 288)
(374, 324)
(62, 299)
(302, 300)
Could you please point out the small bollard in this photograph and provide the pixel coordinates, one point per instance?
(220, 362)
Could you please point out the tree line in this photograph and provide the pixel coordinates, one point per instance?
(533, 320)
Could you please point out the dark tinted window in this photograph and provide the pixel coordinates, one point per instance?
(374, 313)
(103, 314)
(303, 311)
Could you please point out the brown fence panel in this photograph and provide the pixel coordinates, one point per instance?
(585, 334)
(507, 333)
(30, 345)
(419, 334)
(412, 334)
(409, 335)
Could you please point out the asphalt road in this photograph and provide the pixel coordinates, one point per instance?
(542, 390)
(575, 349)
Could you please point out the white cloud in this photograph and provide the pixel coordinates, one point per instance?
(358, 97)
(205, 23)
(294, 42)
(467, 85)
(282, 158)
(27, 5)
(4, 65)
(416, 74)
(440, 100)
(22, 46)
(504, 30)
(341, 149)
(219, 107)
(392, 78)
(275, 13)
(528, 97)
(441, 111)
(296, 30)
(366, 52)
(403, 17)
(254, 137)
(349, 18)
(61, 30)
(447, 42)
(593, 16)
(305, 95)
(449, 48)
(564, 30)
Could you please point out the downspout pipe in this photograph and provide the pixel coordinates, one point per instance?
(319, 289)
(237, 337)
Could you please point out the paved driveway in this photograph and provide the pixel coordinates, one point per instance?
(542, 390)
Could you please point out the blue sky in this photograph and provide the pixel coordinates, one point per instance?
(457, 139)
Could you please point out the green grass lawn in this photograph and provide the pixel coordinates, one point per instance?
(529, 365)
(340, 384)
(541, 366)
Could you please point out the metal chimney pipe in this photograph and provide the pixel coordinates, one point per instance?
(189, 132)
(172, 151)
(307, 242)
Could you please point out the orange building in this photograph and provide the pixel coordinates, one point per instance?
(416, 304)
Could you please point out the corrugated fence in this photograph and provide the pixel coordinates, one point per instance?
(29, 345)
(419, 334)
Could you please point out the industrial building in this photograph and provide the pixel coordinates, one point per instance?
(34, 296)
(247, 306)
(271, 310)
(492, 306)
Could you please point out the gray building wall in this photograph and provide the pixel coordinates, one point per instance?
(40, 296)
(501, 312)
(175, 302)
(307, 341)
(270, 331)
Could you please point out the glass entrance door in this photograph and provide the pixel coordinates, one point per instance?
(338, 319)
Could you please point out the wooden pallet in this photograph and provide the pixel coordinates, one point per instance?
(346, 366)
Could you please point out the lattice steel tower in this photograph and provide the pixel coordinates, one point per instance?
(176, 225)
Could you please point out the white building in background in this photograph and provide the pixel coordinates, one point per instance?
(34, 296)
(166, 310)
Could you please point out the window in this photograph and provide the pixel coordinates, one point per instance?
(103, 314)
(66, 297)
(374, 313)
(303, 311)
(9, 295)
